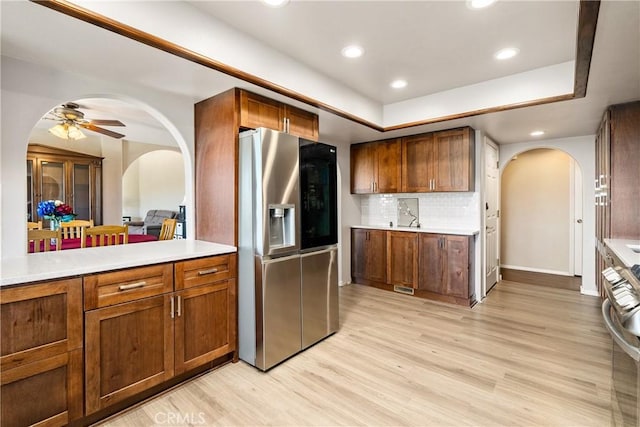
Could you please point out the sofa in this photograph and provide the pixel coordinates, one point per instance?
(152, 222)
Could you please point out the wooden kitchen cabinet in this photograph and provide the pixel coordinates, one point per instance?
(205, 325)
(218, 122)
(41, 353)
(55, 174)
(402, 258)
(444, 265)
(375, 167)
(259, 111)
(617, 182)
(453, 160)
(128, 349)
(439, 161)
(148, 324)
(417, 163)
(368, 255)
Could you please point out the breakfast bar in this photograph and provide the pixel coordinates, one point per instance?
(89, 332)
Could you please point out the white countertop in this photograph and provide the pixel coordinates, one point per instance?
(624, 252)
(52, 265)
(422, 229)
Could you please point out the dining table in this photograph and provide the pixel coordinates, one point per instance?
(75, 242)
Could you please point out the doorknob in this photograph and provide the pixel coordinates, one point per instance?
(579, 221)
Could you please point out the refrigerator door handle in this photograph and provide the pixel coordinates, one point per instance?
(331, 249)
(280, 259)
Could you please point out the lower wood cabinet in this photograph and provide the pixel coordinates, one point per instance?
(444, 262)
(140, 341)
(435, 266)
(205, 324)
(402, 258)
(368, 255)
(41, 353)
(129, 348)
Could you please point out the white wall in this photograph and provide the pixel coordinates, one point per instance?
(582, 149)
(29, 91)
(536, 218)
(155, 181)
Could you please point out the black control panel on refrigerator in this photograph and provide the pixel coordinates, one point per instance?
(318, 194)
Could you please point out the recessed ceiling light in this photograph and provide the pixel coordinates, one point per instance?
(537, 133)
(398, 84)
(275, 3)
(352, 51)
(506, 53)
(479, 4)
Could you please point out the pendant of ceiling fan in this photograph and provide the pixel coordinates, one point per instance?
(69, 115)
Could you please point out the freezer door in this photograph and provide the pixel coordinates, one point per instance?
(319, 295)
(281, 323)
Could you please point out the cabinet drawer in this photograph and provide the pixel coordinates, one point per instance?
(204, 270)
(105, 289)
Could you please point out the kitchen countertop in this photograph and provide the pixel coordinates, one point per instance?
(623, 252)
(422, 229)
(73, 262)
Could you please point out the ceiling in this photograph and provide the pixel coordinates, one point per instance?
(436, 46)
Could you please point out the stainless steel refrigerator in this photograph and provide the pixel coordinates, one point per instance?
(287, 300)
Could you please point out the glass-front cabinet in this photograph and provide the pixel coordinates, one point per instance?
(74, 178)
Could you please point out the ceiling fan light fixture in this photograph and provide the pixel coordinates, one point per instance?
(67, 131)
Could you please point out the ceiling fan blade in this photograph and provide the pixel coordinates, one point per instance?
(107, 132)
(106, 122)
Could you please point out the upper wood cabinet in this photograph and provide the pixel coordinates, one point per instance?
(41, 360)
(453, 160)
(439, 161)
(258, 111)
(74, 178)
(375, 167)
(429, 162)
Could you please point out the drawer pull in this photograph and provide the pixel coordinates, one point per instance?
(131, 286)
(209, 271)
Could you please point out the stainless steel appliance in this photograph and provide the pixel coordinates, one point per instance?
(287, 300)
(621, 313)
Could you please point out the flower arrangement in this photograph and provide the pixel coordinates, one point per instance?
(56, 211)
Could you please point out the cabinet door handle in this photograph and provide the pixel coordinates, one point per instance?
(374, 186)
(209, 271)
(179, 306)
(132, 286)
(172, 307)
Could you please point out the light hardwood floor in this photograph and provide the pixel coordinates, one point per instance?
(528, 356)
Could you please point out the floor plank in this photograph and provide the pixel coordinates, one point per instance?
(528, 356)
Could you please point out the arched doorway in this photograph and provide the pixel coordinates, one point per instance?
(145, 130)
(541, 221)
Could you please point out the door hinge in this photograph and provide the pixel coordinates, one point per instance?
(498, 213)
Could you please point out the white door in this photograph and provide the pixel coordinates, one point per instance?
(491, 214)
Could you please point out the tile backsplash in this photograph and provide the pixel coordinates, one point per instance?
(451, 210)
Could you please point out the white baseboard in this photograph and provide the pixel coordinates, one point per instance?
(584, 291)
(536, 270)
(341, 283)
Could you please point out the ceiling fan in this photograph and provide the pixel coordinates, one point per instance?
(70, 120)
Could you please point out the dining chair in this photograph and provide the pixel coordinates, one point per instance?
(41, 240)
(168, 229)
(105, 235)
(73, 229)
(34, 225)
